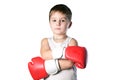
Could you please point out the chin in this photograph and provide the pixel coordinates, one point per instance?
(58, 33)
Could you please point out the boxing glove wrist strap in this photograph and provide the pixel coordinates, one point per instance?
(52, 66)
(57, 64)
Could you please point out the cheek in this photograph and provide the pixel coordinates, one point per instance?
(51, 25)
(65, 28)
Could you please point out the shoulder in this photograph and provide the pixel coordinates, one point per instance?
(73, 42)
(44, 41)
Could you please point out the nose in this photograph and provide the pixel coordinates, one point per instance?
(58, 23)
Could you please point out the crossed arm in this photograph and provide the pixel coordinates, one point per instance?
(46, 54)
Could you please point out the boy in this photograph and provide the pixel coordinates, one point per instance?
(55, 65)
(60, 21)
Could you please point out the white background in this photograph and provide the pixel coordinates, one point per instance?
(96, 23)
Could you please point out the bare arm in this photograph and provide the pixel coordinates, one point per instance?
(45, 52)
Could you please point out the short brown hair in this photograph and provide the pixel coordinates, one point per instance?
(63, 9)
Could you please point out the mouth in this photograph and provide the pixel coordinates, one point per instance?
(57, 28)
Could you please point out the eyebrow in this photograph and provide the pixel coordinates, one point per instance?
(61, 18)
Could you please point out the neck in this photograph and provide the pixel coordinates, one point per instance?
(59, 38)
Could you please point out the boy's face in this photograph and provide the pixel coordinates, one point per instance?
(59, 23)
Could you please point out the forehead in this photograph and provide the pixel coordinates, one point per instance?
(57, 14)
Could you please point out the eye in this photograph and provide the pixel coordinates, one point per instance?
(53, 20)
(63, 20)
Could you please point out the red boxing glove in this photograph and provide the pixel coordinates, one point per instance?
(37, 68)
(77, 54)
(40, 68)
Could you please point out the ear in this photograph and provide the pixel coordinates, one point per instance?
(70, 24)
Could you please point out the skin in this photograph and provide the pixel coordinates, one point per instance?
(59, 25)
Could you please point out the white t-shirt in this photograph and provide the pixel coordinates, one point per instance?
(69, 74)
